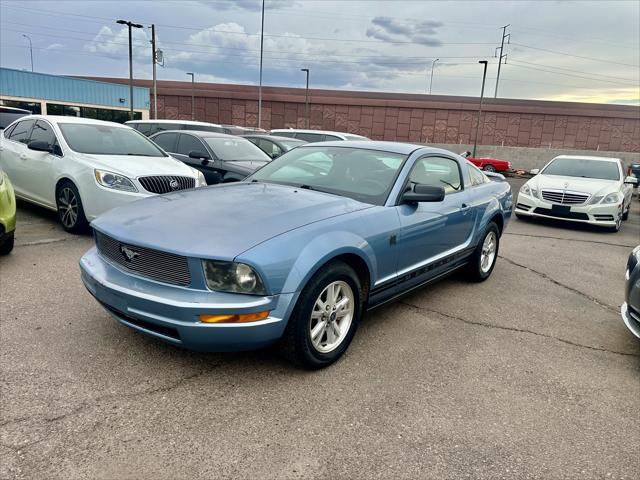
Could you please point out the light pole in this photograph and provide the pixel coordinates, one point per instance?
(484, 77)
(433, 64)
(130, 25)
(306, 98)
(30, 49)
(260, 85)
(193, 100)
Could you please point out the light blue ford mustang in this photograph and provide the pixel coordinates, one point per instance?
(299, 250)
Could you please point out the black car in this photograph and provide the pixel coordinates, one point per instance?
(272, 145)
(9, 114)
(220, 157)
(631, 306)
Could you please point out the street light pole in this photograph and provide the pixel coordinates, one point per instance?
(306, 98)
(433, 64)
(484, 77)
(30, 49)
(260, 85)
(130, 25)
(193, 102)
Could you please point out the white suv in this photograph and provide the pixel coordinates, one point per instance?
(580, 189)
(82, 167)
(316, 135)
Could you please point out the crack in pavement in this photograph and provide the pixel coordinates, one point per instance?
(514, 329)
(560, 284)
(568, 239)
(46, 241)
(93, 402)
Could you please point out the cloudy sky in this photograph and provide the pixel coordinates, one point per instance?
(558, 50)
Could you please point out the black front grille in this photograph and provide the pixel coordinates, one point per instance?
(561, 214)
(152, 327)
(564, 197)
(161, 266)
(166, 183)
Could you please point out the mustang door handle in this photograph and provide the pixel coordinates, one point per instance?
(465, 208)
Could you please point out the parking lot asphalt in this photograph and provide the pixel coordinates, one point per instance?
(530, 374)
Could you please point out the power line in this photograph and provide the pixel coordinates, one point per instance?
(570, 75)
(574, 71)
(576, 56)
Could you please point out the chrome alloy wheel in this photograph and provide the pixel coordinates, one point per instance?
(68, 207)
(488, 252)
(331, 316)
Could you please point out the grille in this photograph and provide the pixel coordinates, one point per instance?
(166, 184)
(160, 266)
(564, 197)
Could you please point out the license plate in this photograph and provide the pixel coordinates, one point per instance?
(560, 209)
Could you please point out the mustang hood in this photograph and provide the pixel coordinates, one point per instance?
(591, 186)
(220, 221)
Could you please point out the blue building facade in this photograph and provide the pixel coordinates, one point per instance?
(59, 95)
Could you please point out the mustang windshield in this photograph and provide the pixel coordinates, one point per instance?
(96, 139)
(581, 167)
(364, 175)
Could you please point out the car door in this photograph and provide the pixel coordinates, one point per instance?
(40, 165)
(432, 233)
(14, 157)
(208, 166)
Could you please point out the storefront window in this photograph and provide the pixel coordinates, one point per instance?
(33, 107)
(106, 114)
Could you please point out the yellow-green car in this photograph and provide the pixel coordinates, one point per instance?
(7, 214)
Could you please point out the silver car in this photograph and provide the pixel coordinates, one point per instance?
(631, 307)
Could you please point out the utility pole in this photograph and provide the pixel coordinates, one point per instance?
(306, 98)
(154, 61)
(484, 77)
(130, 25)
(506, 36)
(433, 64)
(260, 85)
(30, 49)
(193, 96)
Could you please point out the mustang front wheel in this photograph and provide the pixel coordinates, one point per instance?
(325, 318)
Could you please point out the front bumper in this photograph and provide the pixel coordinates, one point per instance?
(171, 313)
(598, 214)
(631, 319)
(97, 199)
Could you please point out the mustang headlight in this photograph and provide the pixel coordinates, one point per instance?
(115, 181)
(232, 277)
(611, 198)
(200, 180)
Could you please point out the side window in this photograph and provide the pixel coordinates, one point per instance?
(310, 137)
(477, 177)
(331, 138)
(22, 131)
(167, 141)
(270, 148)
(189, 143)
(144, 128)
(42, 132)
(437, 172)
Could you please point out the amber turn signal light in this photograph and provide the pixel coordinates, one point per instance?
(231, 318)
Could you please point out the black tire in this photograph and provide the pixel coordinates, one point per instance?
(489, 168)
(625, 215)
(475, 270)
(7, 246)
(70, 210)
(296, 344)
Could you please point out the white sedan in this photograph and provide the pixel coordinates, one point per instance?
(582, 189)
(82, 167)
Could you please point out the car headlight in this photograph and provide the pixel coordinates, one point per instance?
(611, 198)
(115, 181)
(200, 180)
(529, 190)
(232, 277)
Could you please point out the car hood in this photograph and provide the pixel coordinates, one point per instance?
(220, 221)
(574, 184)
(247, 165)
(139, 166)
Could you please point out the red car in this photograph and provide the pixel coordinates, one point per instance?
(488, 164)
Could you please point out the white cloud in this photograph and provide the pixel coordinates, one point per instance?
(116, 43)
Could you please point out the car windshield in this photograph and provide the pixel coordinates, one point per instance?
(97, 139)
(364, 175)
(582, 167)
(235, 149)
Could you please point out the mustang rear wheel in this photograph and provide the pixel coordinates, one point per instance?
(325, 318)
(484, 257)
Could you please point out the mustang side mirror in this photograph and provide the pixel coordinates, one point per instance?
(534, 171)
(631, 180)
(424, 193)
(40, 146)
